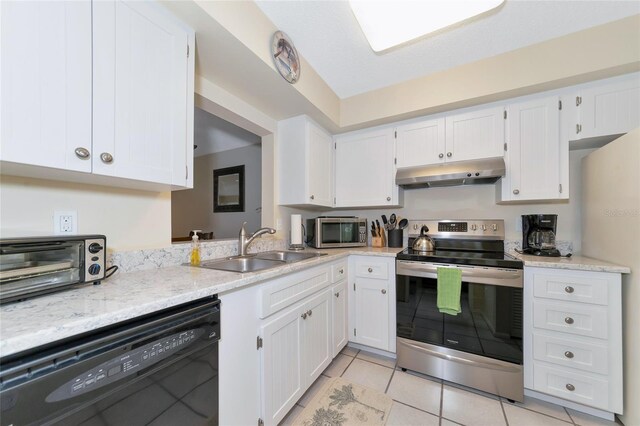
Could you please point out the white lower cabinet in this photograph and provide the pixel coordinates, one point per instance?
(372, 294)
(298, 340)
(573, 340)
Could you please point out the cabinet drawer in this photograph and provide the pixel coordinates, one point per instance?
(590, 390)
(590, 357)
(338, 272)
(574, 318)
(586, 288)
(376, 270)
(285, 291)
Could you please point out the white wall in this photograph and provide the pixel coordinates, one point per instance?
(478, 202)
(130, 219)
(193, 208)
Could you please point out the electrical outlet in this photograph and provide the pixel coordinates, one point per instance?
(65, 222)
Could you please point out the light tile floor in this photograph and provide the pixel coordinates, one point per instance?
(426, 401)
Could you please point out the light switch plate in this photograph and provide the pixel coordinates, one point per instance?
(65, 222)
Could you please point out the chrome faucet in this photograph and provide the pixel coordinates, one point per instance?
(244, 241)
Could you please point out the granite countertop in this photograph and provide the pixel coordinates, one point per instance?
(575, 262)
(41, 320)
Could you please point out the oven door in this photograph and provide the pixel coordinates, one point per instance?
(481, 346)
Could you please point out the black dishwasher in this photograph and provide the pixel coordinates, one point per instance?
(161, 369)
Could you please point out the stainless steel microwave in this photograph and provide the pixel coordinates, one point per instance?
(34, 266)
(336, 231)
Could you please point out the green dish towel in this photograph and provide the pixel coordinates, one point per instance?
(449, 287)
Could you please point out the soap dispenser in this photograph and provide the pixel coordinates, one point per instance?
(194, 258)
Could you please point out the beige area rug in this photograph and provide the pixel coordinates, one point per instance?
(342, 403)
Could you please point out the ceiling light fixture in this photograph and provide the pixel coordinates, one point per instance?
(392, 22)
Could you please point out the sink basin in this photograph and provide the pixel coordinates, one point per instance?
(288, 256)
(242, 264)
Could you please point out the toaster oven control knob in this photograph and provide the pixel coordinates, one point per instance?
(94, 269)
(95, 248)
(494, 227)
(484, 227)
(474, 227)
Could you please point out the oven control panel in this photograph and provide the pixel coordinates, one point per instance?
(490, 229)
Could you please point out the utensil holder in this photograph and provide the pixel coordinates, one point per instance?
(395, 238)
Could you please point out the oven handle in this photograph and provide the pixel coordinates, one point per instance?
(452, 358)
(477, 275)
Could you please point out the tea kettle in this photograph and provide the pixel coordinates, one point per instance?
(424, 242)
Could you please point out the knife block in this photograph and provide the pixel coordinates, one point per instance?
(379, 241)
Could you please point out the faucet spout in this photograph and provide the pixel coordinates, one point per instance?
(244, 241)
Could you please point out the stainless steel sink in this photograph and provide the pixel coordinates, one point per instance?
(258, 262)
(242, 264)
(288, 256)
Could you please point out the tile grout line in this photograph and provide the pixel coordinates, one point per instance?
(441, 400)
(415, 408)
(349, 365)
(452, 421)
(393, 373)
(540, 412)
(570, 416)
(504, 412)
(377, 363)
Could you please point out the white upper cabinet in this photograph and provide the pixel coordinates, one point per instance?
(45, 107)
(305, 161)
(365, 170)
(141, 93)
(103, 87)
(607, 108)
(474, 135)
(420, 143)
(533, 152)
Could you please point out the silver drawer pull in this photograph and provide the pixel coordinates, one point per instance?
(341, 271)
(568, 320)
(312, 197)
(82, 153)
(304, 316)
(370, 270)
(309, 312)
(570, 387)
(516, 191)
(569, 289)
(337, 294)
(106, 158)
(384, 291)
(568, 354)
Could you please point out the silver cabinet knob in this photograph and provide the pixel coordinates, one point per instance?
(568, 320)
(568, 289)
(82, 153)
(309, 312)
(568, 354)
(106, 158)
(570, 387)
(370, 270)
(449, 154)
(312, 197)
(388, 198)
(384, 291)
(304, 316)
(337, 294)
(341, 271)
(516, 191)
(441, 155)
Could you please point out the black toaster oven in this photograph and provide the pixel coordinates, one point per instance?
(34, 266)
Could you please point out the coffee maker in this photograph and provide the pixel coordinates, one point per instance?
(539, 234)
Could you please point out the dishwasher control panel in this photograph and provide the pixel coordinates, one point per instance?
(127, 364)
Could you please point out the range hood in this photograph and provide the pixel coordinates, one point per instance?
(473, 172)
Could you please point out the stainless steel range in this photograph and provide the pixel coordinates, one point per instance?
(481, 347)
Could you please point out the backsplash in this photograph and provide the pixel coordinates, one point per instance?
(177, 254)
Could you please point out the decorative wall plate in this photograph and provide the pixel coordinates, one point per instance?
(285, 57)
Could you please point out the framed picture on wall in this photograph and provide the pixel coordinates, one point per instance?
(228, 189)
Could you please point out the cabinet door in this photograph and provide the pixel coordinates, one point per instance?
(610, 109)
(317, 349)
(282, 364)
(140, 86)
(420, 143)
(474, 135)
(533, 150)
(45, 107)
(372, 313)
(339, 317)
(365, 173)
(319, 159)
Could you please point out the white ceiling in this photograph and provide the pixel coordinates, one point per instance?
(213, 134)
(327, 35)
